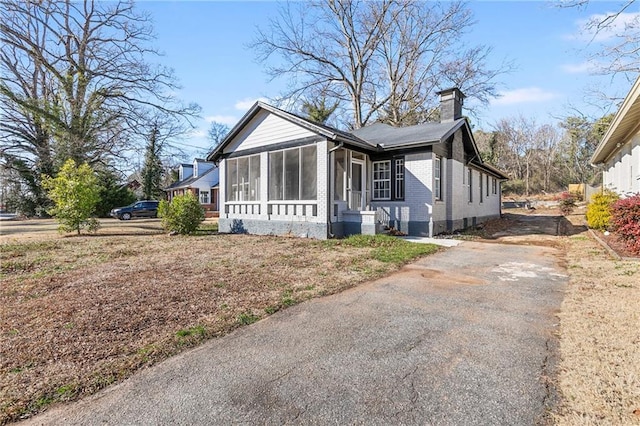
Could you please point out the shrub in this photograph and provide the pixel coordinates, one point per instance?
(566, 202)
(625, 221)
(182, 215)
(599, 209)
(577, 195)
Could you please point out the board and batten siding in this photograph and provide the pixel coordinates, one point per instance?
(266, 129)
(622, 171)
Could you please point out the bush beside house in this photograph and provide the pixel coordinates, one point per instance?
(182, 215)
(625, 221)
(599, 209)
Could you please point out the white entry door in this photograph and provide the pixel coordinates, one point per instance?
(357, 191)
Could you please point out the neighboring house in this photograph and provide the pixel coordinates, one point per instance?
(619, 149)
(283, 174)
(201, 179)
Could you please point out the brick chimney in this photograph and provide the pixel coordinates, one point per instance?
(451, 101)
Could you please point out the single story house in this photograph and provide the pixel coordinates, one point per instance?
(201, 178)
(619, 149)
(284, 174)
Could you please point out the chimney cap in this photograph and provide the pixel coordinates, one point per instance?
(450, 90)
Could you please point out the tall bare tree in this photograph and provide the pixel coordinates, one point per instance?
(614, 38)
(75, 83)
(379, 60)
(217, 132)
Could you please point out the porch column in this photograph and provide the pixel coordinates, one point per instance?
(322, 189)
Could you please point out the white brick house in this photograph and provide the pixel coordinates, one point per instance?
(619, 149)
(283, 174)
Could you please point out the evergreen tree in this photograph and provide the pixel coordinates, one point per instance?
(318, 110)
(152, 170)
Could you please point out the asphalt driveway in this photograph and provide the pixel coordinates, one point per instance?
(461, 337)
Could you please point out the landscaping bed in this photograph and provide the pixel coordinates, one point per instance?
(78, 314)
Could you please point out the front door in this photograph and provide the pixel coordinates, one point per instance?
(356, 196)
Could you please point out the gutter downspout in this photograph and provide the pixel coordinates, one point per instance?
(329, 204)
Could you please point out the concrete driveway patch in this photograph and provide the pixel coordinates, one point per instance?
(461, 337)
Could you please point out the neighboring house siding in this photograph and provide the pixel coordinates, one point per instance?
(185, 171)
(622, 171)
(201, 167)
(266, 129)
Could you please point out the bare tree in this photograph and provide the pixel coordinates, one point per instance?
(547, 143)
(378, 60)
(216, 134)
(614, 38)
(75, 83)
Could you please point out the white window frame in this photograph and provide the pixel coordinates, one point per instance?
(488, 192)
(236, 192)
(481, 186)
(300, 174)
(470, 185)
(437, 178)
(398, 179)
(204, 197)
(380, 178)
(494, 186)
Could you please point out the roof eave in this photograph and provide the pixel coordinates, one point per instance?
(612, 137)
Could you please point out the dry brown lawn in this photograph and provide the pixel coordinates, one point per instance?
(599, 374)
(80, 313)
(77, 314)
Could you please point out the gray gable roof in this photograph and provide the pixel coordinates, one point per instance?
(401, 137)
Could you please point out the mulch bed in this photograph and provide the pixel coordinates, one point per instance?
(616, 244)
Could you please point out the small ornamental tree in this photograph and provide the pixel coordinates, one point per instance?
(599, 209)
(75, 193)
(182, 215)
(625, 221)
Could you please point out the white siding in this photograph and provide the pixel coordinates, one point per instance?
(206, 182)
(622, 171)
(185, 171)
(200, 167)
(266, 129)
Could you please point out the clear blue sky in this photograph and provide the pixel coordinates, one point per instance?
(205, 42)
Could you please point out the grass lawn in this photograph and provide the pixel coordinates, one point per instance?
(80, 313)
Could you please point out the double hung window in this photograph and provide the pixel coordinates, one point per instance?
(437, 178)
(388, 179)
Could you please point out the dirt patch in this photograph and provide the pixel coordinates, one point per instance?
(449, 278)
(527, 227)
